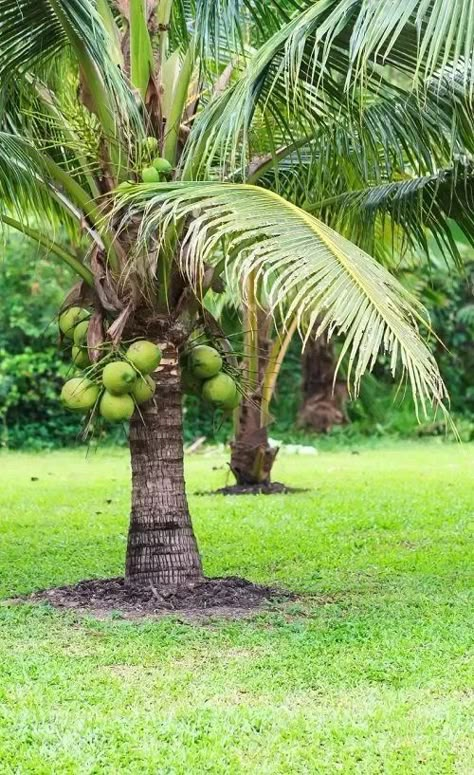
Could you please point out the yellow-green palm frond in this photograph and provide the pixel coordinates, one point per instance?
(303, 267)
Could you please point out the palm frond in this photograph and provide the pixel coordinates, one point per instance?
(433, 32)
(417, 207)
(453, 101)
(56, 123)
(316, 68)
(391, 138)
(33, 32)
(27, 190)
(33, 188)
(219, 26)
(303, 266)
(290, 102)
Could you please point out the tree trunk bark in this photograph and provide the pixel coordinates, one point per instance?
(252, 457)
(162, 549)
(323, 403)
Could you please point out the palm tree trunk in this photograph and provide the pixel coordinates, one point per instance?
(252, 457)
(162, 549)
(323, 404)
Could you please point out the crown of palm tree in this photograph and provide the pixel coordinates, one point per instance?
(237, 93)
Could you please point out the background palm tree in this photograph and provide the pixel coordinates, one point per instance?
(84, 83)
(324, 395)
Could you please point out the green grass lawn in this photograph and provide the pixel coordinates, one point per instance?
(370, 672)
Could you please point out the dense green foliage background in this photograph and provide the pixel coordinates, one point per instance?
(32, 367)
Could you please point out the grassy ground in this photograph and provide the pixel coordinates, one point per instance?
(371, 672)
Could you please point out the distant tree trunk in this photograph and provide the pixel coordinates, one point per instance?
(252, 457)
(323, 404)
(162, 549)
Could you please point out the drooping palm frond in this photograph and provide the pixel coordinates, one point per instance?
(315, 68)
(33, 201)
(27, 189)
(417, 207)
(30, 33)
(33, 32)
(420, 36)
(452, 99)
(303, 266)
(222, 130)
(38, 193)
(393, 137)
(434, 32)
(396, 140)
(55, 123)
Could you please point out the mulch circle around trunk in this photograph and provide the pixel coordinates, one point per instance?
(268, 488)
(230, 597)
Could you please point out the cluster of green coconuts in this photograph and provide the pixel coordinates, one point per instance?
(117, 383)
(202, 374)
(158, 169)
(121, 380)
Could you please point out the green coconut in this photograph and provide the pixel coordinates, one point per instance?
(229, 406)
(70, 318)
(116, 408)
(162, 166)
(150, 144)
(205, 361)
(124, 186)
(219, 390)
(80, 333)
(143, 389)
(79, 394)
(150, 175)
(144, 355)
(119, 377)
(80, 357)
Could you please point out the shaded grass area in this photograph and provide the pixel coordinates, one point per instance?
(370, 671)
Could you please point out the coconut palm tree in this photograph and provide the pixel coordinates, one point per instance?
(92, 90)
(386, 172)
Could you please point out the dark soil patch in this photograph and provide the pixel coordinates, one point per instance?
(230, 596)
(270, 488)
